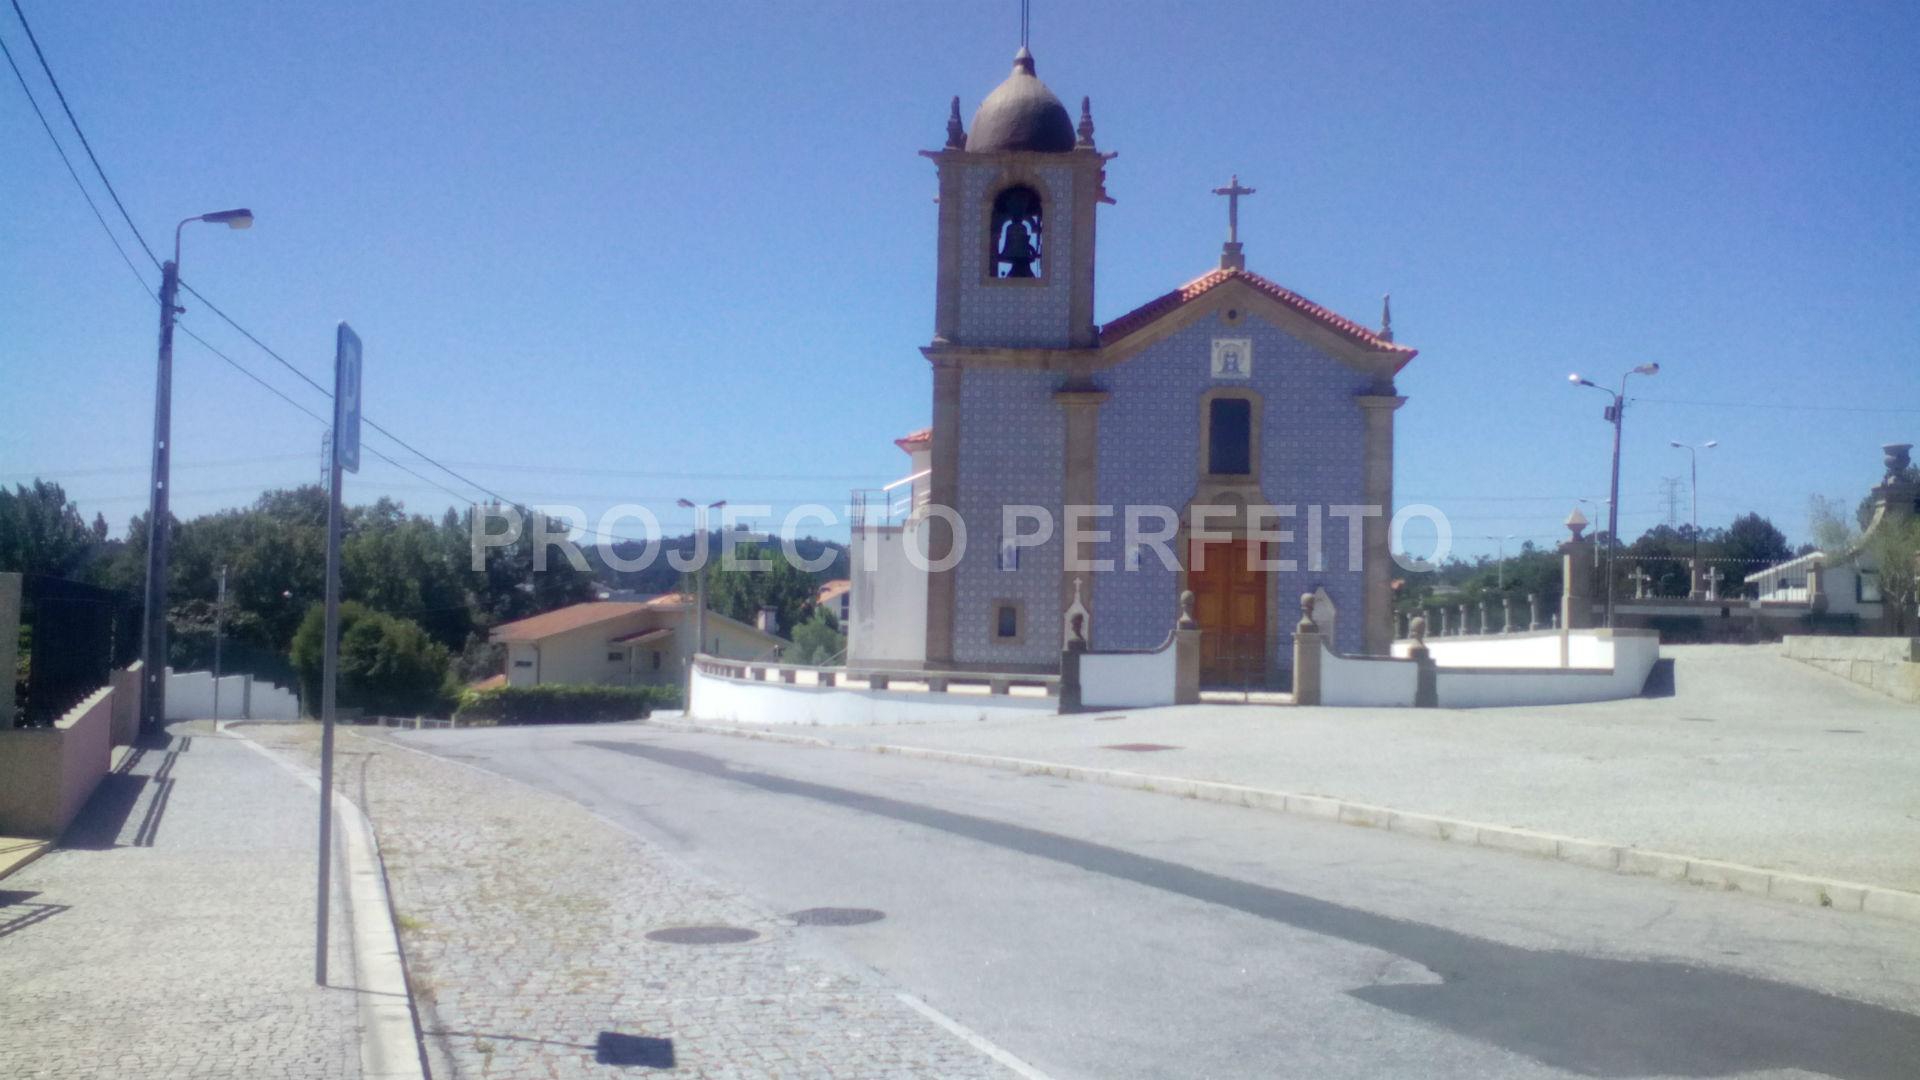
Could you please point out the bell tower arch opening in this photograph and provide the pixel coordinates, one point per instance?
(1015, 234)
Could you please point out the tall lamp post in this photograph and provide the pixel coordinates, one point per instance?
(1501, 546)
(1693, 483)
(1614, 414)
(153, 644)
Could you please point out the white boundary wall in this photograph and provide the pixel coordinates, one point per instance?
(745, 701)
(1366, 681)
(190, 697)
(1129, 680)
(1505, 670)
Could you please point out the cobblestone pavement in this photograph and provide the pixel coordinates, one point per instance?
(172, 935)
(524, 917)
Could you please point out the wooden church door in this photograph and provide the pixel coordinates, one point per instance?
(1230, 604)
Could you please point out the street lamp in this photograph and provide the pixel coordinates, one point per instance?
(700, 594)
(153, 645)
(1613, 414)
(1693, 491)
(1500, 543)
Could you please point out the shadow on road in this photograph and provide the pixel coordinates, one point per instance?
(1616, 1018)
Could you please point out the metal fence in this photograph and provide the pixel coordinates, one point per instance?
(76, 634)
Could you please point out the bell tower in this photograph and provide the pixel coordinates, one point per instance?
(1017, 200)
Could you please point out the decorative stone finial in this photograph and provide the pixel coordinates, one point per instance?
(1386, 318)
(1307, 625)
(1187, 621)
(956, 135)
(1417, 630)
(1086, 124)
(1076, 629)
(1576, 523)
(1898, 459)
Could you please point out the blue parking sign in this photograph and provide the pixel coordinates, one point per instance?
(346, 399)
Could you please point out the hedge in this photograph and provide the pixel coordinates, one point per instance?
(563, 704)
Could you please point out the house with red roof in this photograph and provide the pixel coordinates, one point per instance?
(1230, 438)
(624, 643)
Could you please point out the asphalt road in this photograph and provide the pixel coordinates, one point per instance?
(1107, 934)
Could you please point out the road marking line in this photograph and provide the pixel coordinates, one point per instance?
(971, 1037)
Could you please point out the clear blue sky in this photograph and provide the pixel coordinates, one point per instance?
(610, 252)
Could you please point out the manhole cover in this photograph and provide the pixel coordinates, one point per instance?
(703, 935)
(837, 916)
(1140, 747)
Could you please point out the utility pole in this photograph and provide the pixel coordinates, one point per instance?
(1614, 414)
(219, 625)
(153, 638)
(700, 588)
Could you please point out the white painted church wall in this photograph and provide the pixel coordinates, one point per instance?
(888, 603)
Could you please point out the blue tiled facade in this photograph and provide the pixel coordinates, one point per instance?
(1012, 452)
(1312, 453)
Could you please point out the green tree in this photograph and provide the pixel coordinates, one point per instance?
(388, 665)
(740, 593)
(42, 532)
(818, 640)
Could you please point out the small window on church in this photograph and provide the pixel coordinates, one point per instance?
(1016, 234)
(1867, 587)
(1230, 437)
(1006, 622)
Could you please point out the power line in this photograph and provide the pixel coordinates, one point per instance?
(61, 94)
(75, 173)
(1772, 405)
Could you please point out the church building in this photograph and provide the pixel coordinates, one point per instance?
(1241, 406)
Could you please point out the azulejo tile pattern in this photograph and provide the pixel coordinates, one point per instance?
(1312, 455)
(1012, 452)
(1016, 314)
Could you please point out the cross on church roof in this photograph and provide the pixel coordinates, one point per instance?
(1230, 257)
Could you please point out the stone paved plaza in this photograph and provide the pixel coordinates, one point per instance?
(172, 937)
(1754, 759)
(524, 918)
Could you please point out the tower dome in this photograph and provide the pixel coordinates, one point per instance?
(1021, 115)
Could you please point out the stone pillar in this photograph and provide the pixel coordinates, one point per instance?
(1576, 574)
(10, 592)
(1506, 615)
(1465, 626)
(1070, 676)
(1376, 561)
(1426, 691)
(1186, 654)
(1696, 589)
(943, 489)
(1533, 611)
(1483, 618)
(1445, 630)
(1816, 588)
(1306, 656)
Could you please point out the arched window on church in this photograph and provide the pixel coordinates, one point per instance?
(1016, 233)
